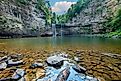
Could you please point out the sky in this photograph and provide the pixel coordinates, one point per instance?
(61, 6)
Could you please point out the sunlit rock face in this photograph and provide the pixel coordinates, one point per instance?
(18, 19)
(94, 15)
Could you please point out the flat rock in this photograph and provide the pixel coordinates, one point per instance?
(55, 61)
(14, 63)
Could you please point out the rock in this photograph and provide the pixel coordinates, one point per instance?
(22, 79)
(79, 69)
(5, 79)
(13, 62)
(36, 65)
(18, 74)
(15, 56)
(47, 34)
(55, 61)
(5, 58)
(64, 55)
(3, 65)
(76, 59)
(64, 74)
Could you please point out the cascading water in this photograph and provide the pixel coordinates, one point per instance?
(61, 31)
(54, 30)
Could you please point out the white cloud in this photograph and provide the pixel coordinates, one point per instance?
(61, 7)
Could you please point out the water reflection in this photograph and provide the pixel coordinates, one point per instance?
(64, 42)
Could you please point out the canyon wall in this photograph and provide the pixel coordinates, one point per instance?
(19, 18)
(94, 14)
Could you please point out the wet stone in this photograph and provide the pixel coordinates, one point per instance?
(37, 64)
(18, 74)
(55, 61)
(64, 74)
(14, 62)
(67, 72)
(3, 65)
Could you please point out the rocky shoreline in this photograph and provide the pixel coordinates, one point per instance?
(103, 66)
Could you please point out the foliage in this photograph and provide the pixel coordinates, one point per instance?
(115, 22)
(46, 8)
(116, 33)
(73, 11)
(54, 18)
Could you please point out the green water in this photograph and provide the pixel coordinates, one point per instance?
(86, 43)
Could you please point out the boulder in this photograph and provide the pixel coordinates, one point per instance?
(64, 74)
(3, 65)
(18, 74)
(79, 69)
(55, 61)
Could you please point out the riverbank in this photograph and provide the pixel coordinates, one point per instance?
(105, 66)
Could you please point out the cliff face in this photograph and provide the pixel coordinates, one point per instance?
(21, 18)
(93, 16)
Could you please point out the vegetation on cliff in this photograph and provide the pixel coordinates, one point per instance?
(73, 11)
(115, 24)
(45, 6)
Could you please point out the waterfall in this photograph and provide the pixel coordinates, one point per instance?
(61, 31)
(54, 30)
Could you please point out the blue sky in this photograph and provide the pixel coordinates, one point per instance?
(61, 6)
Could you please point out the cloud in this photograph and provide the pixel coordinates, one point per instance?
(61, 7)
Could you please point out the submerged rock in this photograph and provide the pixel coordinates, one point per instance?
(36, 65)
(79, 69)
(64, 74)
(3, 65)
(55, 61)
(40, 73)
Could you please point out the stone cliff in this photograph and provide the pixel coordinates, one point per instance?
(19, 18)
(94, 14)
